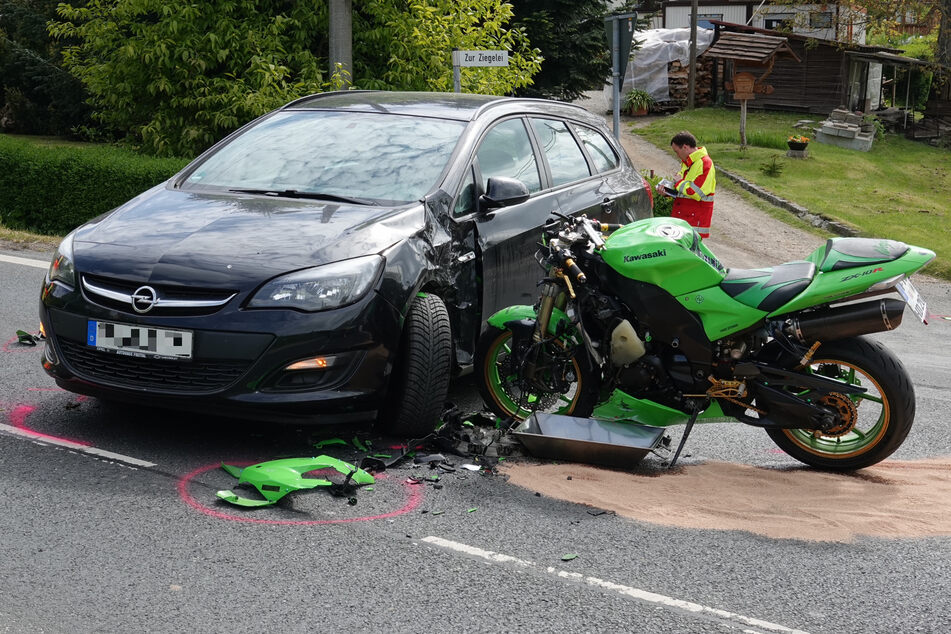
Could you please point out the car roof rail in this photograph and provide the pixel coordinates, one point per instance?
(319, 95)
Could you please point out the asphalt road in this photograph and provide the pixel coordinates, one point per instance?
(109, 522)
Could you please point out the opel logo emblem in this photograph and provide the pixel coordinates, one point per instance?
(143, 299)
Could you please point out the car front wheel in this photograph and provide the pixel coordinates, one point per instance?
(421, 381)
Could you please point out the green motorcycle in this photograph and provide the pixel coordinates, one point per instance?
(647, 325)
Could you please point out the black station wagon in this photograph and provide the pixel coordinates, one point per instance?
(332, 260)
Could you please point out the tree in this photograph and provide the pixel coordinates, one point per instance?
(570, 35)
(407, 45)
(176, 76)
(37, 95)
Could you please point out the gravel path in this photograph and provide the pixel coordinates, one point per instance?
(742, 236)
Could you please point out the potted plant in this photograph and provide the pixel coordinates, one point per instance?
(638, 102)
(797, 142)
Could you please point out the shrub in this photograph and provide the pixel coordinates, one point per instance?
(54, 188)
(663, 205)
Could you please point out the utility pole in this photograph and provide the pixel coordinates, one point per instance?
(341, 35)
(692, 71)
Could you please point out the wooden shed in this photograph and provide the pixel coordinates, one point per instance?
(829, 75)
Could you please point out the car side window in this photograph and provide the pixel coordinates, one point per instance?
(565, 158)
(598, 148)
(466, 202)
(507, 151)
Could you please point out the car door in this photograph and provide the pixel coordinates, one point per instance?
(622, 191)
(507, 237)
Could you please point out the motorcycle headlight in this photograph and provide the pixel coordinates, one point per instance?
(322, 287)
(61, 268)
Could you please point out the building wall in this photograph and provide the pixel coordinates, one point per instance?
(679, 17)
(825, 21)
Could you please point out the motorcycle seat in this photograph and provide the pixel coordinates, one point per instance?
(844, 253)
(768, 289)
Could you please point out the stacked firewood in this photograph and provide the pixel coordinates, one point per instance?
(678, 78)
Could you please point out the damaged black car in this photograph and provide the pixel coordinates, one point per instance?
(330, 261)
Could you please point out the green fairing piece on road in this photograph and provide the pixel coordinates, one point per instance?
(277, 478)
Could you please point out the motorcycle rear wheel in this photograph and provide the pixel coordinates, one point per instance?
(874, 423)
(499, 383)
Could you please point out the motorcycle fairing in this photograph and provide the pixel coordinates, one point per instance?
(523, 312)
(665, 252)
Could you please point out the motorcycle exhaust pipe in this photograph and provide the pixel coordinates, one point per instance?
(846, 321)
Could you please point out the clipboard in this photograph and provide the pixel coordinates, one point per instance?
(669, 188)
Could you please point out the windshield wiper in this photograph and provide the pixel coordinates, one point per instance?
(293, 193)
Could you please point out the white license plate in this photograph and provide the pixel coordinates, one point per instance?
(914, 299)
(139, 341)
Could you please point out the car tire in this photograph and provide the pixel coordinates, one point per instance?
(419, 387)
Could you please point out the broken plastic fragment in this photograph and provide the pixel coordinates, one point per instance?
(568, 557)
(473, 509)
(277, 478)
(437, 512)
(359, 444)
(26, 338)
(471, 467)
(329, 441)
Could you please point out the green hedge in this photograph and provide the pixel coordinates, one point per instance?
(53, 188)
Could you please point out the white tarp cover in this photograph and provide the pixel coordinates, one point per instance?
(647, 69)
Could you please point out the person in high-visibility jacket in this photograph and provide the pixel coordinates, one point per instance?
(696, 184)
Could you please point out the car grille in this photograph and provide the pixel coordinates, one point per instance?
(182, 294)
(153, 374)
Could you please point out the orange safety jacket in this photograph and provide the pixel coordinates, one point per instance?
(695, 189)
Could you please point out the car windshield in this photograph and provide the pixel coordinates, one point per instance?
(344, 155)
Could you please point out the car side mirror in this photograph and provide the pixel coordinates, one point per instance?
(503, 192)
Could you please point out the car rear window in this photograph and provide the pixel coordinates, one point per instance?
(375, 156)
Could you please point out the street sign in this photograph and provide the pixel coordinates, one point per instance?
(480, 58)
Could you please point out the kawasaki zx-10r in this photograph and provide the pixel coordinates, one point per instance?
(647, 325)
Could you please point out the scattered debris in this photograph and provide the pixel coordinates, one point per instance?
(597, 512)
(277, 478)
(473, 509)
(472, 467)
(359, 444)
(27, 339)
(330, 441)
(569, 557)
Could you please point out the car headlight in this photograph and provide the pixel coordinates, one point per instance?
(321, 287)
(61, 268)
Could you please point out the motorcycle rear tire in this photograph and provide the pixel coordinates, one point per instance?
(883, 416)
(502, 397)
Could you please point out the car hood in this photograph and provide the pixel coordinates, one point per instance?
(168, 236)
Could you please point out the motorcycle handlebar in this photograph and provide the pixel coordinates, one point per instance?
(569, 265)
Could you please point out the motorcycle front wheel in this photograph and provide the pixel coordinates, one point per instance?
(501, 386)
(872, 425)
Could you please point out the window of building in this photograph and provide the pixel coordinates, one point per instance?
(779, 21)
(820, 19)
(703, 19)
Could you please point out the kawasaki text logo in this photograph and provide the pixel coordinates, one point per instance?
(862, 274)
(659, 253)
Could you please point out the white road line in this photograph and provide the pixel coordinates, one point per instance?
(62, 442)
(643, 595)
(12, 259)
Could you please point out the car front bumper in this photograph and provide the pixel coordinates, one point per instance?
(239, 359)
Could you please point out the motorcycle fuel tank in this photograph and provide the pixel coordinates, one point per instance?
(666, 252)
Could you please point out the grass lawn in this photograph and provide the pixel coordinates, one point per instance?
(901, 189)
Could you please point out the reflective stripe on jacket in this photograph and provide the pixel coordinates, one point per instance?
(698, 177)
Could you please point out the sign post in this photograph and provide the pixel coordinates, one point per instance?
(620, 31)
(474, 58)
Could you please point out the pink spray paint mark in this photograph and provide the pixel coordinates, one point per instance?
(18, 417)
(413, 500)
